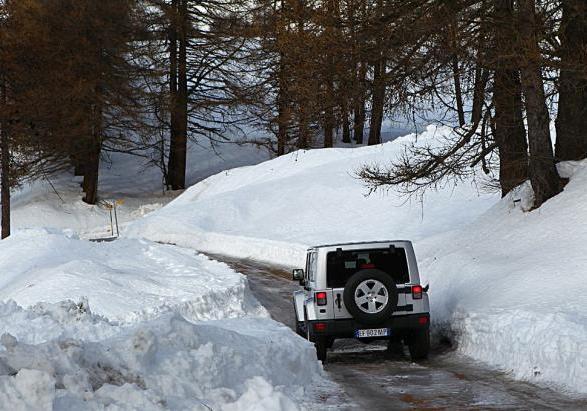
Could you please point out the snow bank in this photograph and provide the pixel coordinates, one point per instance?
(273, 211)
(512, 287)
(124, 280)
(138, 325)
(164, 363)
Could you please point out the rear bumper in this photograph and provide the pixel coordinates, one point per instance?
(399, 325)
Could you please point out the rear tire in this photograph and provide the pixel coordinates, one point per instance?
(395, 347)
(320, 343)
(321, 349)
(419, 345)
(300, 329)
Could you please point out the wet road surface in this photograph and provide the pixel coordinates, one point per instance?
(376, 379)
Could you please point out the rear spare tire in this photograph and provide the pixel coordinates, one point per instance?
(370, 295)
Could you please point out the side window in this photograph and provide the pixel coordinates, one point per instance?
(312, 265)
(307, 271)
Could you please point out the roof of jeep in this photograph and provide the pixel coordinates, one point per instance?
(358, 243)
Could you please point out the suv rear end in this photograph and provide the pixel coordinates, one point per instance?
(366, 291)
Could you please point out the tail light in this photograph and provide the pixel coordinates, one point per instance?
(320, 298)
(319, 327)
(417, 292)
(423, 320)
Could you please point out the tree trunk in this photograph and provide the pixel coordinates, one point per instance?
(304, 130)
(329, 128)
(378, 93)
(282, 122)
(481, 79)
(171, 164)
(303, 92)
(94, 149)
(76, 161)
(92, 172)
(178, 147)
(571, 122)
(330, 33)
(5, 158)
(378, 101)
(282, 107)
(78, 169)
(329, 120)
(509, 129)
(543, 174)
(510, 133)
(458, 91)
(359, 68)
(359, 115)
(346, 127)
(456, 74)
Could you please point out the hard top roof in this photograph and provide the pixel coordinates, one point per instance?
(358, 243)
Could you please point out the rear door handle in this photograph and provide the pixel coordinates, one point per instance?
(338, 301)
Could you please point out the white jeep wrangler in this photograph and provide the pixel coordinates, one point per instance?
(367, 291)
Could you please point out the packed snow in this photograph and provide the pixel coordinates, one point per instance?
(124, 280)
(164, 363)
(133, 324)
(506, 283)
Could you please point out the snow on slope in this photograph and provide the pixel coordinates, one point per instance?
(57, 202)
(137, 325)
(275, 210)
(510, 285)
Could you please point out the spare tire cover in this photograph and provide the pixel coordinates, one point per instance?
(370, 296)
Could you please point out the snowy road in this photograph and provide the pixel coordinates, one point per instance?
(376, 380)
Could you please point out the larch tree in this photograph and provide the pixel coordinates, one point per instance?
(542, 170)
(96, 58)
(510, 133)
(201, 56)
(571, 122)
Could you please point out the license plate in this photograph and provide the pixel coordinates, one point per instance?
(374, 332)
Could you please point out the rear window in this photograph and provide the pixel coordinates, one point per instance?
(341, 265)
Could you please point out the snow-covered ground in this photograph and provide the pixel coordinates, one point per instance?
(509, 285)
(274, 210)
(125, 281)
(137, 325)
(133, 324)
(132, 182)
